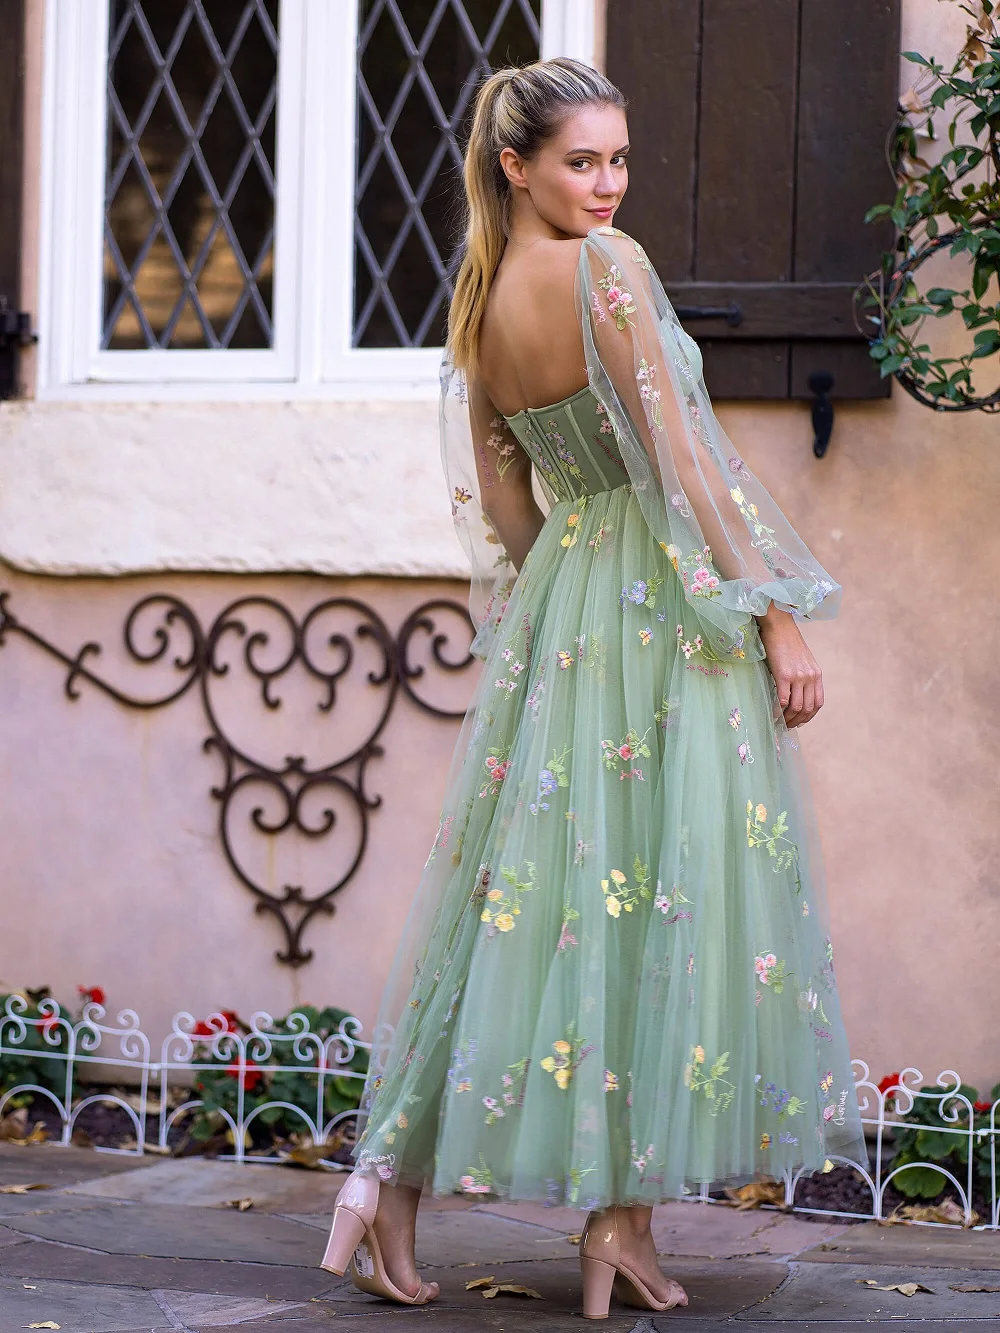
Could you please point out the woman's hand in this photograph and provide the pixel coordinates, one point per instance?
(796, 672)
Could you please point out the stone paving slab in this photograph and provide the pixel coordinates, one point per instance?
(836, 1291)
(43, 1201)
(208, 1310)
(446, 1239)
(718, 1232)
(723, 1290)
(78, 1308)
(55, 1165)
(171, 1232)
(201, 1183)
(39, 1260)
(933, 1246)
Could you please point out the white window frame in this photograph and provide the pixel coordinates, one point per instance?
(312, 356)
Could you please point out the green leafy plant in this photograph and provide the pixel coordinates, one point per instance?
(218, 1086)
(44, 1033)
(954, 206)
(923, 1138)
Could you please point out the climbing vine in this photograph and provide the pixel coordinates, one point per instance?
(952, 205)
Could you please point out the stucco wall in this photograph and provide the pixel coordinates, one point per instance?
(112, 871)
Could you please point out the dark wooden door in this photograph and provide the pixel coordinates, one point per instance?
(758, 133)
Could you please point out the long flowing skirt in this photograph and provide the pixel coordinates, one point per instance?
(616, 981)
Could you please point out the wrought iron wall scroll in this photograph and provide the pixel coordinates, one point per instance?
(161, 628)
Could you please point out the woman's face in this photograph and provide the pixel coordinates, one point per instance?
(578, 178)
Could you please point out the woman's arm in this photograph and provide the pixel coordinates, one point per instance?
(504, 471)
(634, 349)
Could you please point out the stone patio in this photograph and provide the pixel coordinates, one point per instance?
(120, 1245)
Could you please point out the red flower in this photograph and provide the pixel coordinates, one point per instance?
(91, 994)
(251, 1077)
(49, 1022)
(206, 1029)
(981, 1108)
(889, 1084)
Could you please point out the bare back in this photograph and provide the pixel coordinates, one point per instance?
(531, 347)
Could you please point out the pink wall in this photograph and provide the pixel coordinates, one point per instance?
(113, 873)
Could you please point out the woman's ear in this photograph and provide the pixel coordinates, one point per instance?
(513, 168)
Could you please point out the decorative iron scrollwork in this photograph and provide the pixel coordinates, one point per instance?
(311, 796)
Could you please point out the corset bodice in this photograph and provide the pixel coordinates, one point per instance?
(572, 445)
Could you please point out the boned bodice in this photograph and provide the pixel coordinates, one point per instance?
(572, 445)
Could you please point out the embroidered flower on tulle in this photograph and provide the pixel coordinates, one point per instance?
(567, 1056)
(622, 896)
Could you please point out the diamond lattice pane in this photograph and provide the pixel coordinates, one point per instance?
(419, 65)
(189, 196)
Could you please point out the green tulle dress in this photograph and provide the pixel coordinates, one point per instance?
(616, 982)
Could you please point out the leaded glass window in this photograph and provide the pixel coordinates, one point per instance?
(419, 64)
(190, 176)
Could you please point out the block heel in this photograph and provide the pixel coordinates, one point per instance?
(346, 1234)
(598, 1280)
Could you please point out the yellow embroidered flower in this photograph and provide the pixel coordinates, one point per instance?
(562, 1078)
(561, 1047)
(765, 1142)
(390, 1138)
(614, 906)
(495, 895)
(699, 1055)
(618, 877)
(505, 921)
(749, 807)
(573, 520)
(401, 1121)
(604, 886)
(610, 1081)
(738, 495)
(486, 915)
(761, 813)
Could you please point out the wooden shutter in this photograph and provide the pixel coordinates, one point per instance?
(11, 121)
(758, 132)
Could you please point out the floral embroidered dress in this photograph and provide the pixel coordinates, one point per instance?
(616, 982)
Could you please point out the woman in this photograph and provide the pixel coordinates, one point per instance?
(615, 981)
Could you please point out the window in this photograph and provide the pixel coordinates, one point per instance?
(259, 193)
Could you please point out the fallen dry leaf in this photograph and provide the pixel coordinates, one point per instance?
(489, 1293)
(755, 1194)
(48, 1323)
(515, 1289)
(241, 1205)
(575, 1239)
(949, 1211)
(969, 1286)
(15, 1125)
(480, 1282)
(81, 1139)
(22, 1189)
(313, 1156)
(904, 1288)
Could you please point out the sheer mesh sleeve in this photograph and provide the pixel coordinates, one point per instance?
(464, 436)
(730, 543)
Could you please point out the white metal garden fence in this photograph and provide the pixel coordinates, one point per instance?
(959, 1136)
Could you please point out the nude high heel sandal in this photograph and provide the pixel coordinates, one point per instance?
(602, 1269)
(353, 1244)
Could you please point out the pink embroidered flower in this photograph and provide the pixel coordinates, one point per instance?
(625, 751)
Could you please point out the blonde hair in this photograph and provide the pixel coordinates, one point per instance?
(518, 108)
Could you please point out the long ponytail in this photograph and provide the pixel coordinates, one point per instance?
(518, 109)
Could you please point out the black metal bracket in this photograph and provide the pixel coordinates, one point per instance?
(732, 313)
(820, 384)
(15, 333)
